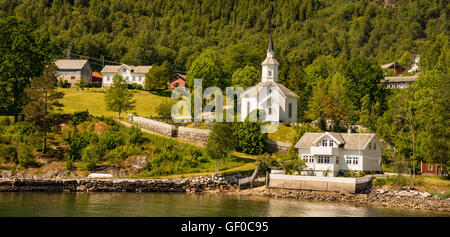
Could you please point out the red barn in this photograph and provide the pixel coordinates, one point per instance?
(178, 80)
(394, 66)
(428, 168)
(96, 77)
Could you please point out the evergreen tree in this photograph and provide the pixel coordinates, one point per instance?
(44, 97)
(118, 98)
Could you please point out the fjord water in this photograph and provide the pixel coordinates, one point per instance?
(178, 205)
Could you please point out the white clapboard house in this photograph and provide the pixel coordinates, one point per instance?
(132, 74)
(331, 153)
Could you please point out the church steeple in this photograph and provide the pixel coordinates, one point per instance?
(270, 52)
(270, 64)
(270, 48)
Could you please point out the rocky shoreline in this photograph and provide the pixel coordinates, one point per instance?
(406, 198)
(195, 184)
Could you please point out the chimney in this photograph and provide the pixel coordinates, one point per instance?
(67, 53)
(349, 129)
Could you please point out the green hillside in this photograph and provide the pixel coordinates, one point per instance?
(93, 100)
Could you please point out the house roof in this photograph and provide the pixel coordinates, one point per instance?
(115, 68)
(255, 89)
(353, 141)
(389, 65)
(181, 75)
(70, 64)
(401, 79)
(96, 74)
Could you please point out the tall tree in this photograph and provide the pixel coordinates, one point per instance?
(329, 101)
(118, 98)
(44, 98)
(158, 77)
(23, 55)
(364, 78)
(220, 142)
(245, 77)
(208, 67)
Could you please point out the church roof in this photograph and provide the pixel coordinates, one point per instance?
(255, 89)
(270, 61)
(270, 48)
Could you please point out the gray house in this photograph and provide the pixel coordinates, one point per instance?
(74, 70)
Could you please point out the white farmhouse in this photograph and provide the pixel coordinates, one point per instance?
(132, 74)
(335, 153)
(278, 102)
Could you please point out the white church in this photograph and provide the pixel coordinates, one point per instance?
(278, 102)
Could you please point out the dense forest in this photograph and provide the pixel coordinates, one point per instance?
(330, 52)
(150, 32)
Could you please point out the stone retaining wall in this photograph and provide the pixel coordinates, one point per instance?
(193, 134)
(277, 147)
(163, 128)
(197, 184)
(196, 134)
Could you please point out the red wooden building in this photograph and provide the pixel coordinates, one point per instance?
(394, 66)
(96, 77)
(178, 80)
(430, 168)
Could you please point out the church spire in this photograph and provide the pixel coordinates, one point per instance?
(270, 48)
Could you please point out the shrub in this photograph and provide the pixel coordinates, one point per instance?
(292, 166)
(265, 163)
(80, 117)
(326, 172)
(6, 121)
(8, 153)
(63, 84)
(135, 86)
(122, 152)
(134, 135)
(92, 155)
(111, 138)
(250, 140)
(164, 109)
(76, 143)
(25, 155)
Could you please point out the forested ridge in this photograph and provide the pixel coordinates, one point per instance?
(150, 32)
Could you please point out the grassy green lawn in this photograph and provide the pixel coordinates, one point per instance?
(92, 99)
(283, 134)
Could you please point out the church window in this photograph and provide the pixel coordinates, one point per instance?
(290, 110)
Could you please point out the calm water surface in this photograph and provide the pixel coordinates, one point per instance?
(179, 205)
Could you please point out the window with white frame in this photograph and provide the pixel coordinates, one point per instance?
(374, 146)
(323, 160)
(308, 159)
(324, 142)
(352, 160)
(331, 142)
(337, 160)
